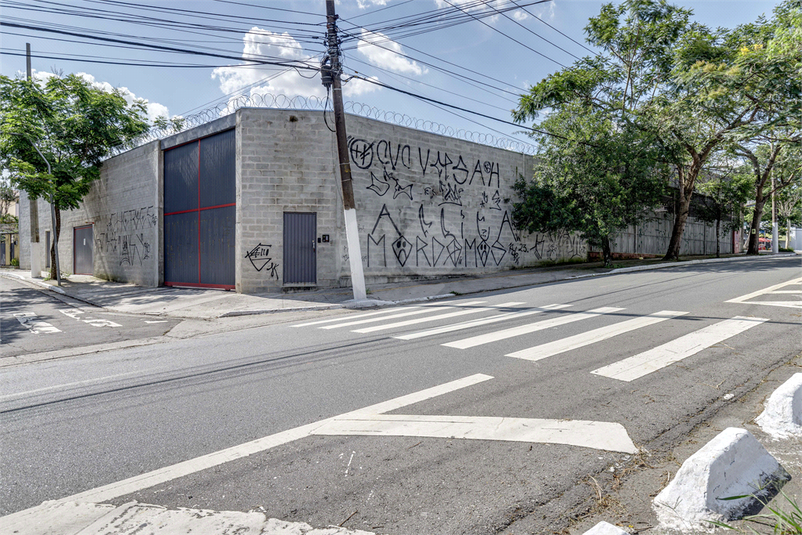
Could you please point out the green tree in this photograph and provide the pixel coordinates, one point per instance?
(591, 176)
(73, 125)
(772, 167)
(724, 191)
(689, 88)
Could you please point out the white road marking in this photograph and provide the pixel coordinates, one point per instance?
(101, 323)
(591, 337)
(676, 350)
(157, 321)
(787, 292)
(401, 315)
(476, 323)
(72, 313)
(353, 317)
(29, 321)
(169, 473)
(530, 328)
(747, 299)
(433, 318)
(608, 436)
(65, 385)
(91, 321)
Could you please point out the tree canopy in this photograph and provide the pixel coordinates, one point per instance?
(688, 89)
(74, 126)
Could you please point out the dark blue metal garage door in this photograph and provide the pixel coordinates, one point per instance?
(200, 212)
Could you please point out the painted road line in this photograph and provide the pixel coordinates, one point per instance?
(394, 316)
(36, 326)
(787, 292)
(169, 473)
(530, 328)
(433, 318)
(607, 436)
(353, 317)
(74, 314)
(676, 350)
(476, 323)
(157, 321)
(747, 299)
(591, 337)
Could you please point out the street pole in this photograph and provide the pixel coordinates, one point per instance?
(28, 60)
(775, 237)
(33, 204)
(52, 211)
(349, 205)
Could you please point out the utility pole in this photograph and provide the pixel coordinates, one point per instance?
(33, 204)
(349, 205)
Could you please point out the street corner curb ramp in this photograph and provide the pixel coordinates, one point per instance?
(733, 464)
(782, 415)
(603, 528)
(73, 518)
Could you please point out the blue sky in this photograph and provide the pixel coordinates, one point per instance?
(473, 65)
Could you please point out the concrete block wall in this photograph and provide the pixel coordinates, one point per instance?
(125, 209)
(430, 205)
(286, 162)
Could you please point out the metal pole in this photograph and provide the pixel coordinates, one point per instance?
(775, 237)
(349, 205)
(52, 217)
(28, 59)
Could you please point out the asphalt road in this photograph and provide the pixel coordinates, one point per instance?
(446, 461)
(36, 321)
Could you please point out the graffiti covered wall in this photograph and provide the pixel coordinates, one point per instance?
(429, 205)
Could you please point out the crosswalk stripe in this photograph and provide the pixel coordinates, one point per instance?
(432, 318)
(401, 315)
(353, 317)
(676, 350)
(591, 337)
(529, 328)
(476, 323)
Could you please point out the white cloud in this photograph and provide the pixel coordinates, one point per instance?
(520, 15)
(362, 4)
(276, 80)
(153, 109)
(387, 54)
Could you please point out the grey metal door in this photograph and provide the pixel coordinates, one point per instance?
(82, 250)
(300, 248)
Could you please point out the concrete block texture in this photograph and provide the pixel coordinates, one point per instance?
(782, 415)
(732, 464)
(123, 207)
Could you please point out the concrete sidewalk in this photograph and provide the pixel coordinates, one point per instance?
(210, 304)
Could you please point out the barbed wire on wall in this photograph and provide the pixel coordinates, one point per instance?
(284, 102)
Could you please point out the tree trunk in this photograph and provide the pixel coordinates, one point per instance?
(683, 209)
(57, 231)
(754, 229)
(607, 252)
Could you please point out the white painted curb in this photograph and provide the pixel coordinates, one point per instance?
(732, 464)
(603, 528)
(782, 416)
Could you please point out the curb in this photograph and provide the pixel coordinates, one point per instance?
(732, 464)
(37, 283)
(782, 416)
